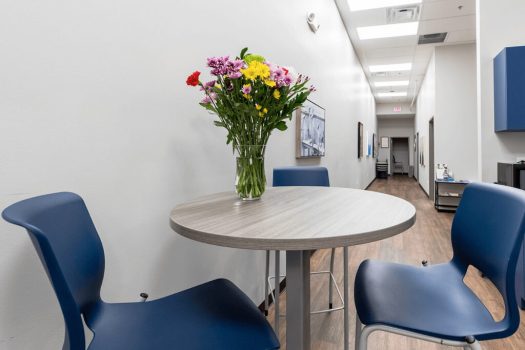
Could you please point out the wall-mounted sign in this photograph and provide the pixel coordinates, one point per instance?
(397, 109)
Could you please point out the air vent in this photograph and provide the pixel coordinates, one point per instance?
(432, 38)
(402, 14)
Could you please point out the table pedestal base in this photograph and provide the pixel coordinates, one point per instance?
(298, 300)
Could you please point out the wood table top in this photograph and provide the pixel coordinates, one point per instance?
(293, 218)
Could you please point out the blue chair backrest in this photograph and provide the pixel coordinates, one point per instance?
(487, 233)
(70, 249)
(301, 176)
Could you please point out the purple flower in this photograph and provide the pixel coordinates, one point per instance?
(218, 64)
(287, 80)
(312, 88)
(225, 66)
(208, 86)
(235, 75)
(246, 89)
(209, 98)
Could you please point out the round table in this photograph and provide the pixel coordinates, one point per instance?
(297, 220)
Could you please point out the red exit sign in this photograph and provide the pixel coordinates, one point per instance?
(397, 109)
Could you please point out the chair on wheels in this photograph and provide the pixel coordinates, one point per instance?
(432, 303)
(398, 165)
(214, 315)
(301, 176)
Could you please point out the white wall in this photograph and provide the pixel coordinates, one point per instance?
(500, 24)
(93, 100)
(455, 123)
(425, 110)
(448, 94)
(396, 127)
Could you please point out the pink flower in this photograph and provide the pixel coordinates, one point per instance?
(209, 98)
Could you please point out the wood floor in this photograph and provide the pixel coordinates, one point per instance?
(428, 239)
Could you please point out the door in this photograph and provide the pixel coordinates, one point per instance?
(431, 173)
(416, 157)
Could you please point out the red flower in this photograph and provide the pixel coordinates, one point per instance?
(193, 79)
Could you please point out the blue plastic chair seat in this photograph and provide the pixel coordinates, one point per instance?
(432, 300)
(217, 312)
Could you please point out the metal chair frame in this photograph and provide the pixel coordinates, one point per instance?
(362, 334)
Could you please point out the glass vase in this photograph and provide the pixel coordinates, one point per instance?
(250, 181)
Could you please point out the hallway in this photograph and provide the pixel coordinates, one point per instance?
(428, 239)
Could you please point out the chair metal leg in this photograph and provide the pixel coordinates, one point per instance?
(367, 330)
(358, 331)
(266, 284)
(345, 293)
(474, 346)
(330, 287)
(277, 290)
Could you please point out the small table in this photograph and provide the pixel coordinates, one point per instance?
(447, 194)
(297, 220)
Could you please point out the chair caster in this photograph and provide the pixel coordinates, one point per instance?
(144, 297)
(424, 263)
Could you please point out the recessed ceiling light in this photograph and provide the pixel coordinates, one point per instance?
(391, 94)
(391, 83)
(359, 5)
(390, 67)
(387, 30)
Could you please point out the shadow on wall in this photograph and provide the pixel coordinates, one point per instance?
(178, 256)
(30, 304)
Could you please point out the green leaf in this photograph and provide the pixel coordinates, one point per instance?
(281, 126)
(218, 123)
(243, 52)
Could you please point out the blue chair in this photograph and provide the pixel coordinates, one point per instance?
(214, 315)
(301, 176)
(432, 303)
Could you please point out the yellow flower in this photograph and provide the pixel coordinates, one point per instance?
(258, 107)
(270, 83)
(277, 94)
(246, 96)
(261, 114)
(256, 70)
(249, 73)
(265, 110)
(218, 86)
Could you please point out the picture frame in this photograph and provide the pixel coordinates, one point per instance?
(374, 146)
(385, 142)
(310, 132)
(359, 140)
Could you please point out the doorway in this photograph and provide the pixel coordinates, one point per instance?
(416, 156)
(400, 157)
(431, 172)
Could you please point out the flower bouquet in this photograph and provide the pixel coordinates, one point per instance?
(251, 97)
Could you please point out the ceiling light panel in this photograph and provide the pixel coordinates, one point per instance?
(391, 94)
(391, 83)
(390, 67)
(360, 5)
(387, 30)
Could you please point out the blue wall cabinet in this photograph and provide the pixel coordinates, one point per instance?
(509, 89)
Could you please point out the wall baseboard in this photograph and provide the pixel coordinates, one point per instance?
(370, 184)
(424, 191)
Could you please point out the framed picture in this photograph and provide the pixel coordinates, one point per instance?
(359, 140)
(368, 144)
(384, 142)
(310, 131)
(374, 145)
